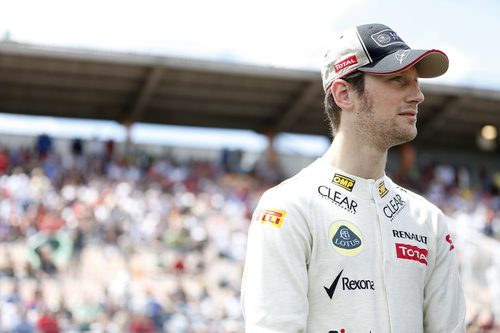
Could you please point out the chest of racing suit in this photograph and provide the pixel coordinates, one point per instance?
(330, 252)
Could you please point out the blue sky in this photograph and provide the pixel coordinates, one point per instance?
(289, 34)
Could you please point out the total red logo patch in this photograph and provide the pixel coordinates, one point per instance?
(411, 252)
(448, 239)
(352, 60)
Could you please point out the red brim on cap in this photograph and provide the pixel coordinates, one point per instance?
(429, 63)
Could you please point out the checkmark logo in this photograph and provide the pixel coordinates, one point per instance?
(330, 291)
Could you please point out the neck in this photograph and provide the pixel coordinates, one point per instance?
(354, 156)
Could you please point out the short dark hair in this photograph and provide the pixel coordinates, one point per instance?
(332, 110)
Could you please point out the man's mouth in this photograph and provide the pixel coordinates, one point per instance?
(409, 114)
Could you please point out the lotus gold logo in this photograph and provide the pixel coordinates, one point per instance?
(346, 238)
(382, 190)
(343, 181)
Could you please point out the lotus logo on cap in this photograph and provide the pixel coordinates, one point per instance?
(386, 37)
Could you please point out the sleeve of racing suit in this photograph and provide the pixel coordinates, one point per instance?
(275, 282)
(444, 304)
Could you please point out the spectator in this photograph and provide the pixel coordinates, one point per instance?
(24, 325)
(77, 147)
(47, 322)
(4, 161)
(140, 323)
(43, 145)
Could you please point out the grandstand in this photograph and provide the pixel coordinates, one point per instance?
(130, 88)
(135, 238)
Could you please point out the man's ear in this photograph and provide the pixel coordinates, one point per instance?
(341, 94)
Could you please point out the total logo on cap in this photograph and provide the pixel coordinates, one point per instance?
(346, 238)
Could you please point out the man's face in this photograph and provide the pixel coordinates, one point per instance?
(387, 110)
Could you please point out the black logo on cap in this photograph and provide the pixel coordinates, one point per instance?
(386, 37)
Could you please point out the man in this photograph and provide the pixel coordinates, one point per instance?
(340, 247)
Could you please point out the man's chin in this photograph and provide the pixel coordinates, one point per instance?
(404, 137)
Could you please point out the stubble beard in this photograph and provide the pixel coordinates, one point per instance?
(382, 133)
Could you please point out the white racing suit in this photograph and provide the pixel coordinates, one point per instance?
(329, 252)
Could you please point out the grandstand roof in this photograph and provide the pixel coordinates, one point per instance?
(130, 88)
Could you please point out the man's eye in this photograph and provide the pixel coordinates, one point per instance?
(400, 80)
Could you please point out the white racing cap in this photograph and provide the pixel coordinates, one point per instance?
(377, 49)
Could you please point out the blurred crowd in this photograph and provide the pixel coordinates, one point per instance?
(98, 241)
(134, 243)
(458, 191)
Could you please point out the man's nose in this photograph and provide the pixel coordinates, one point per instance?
(416, 95)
